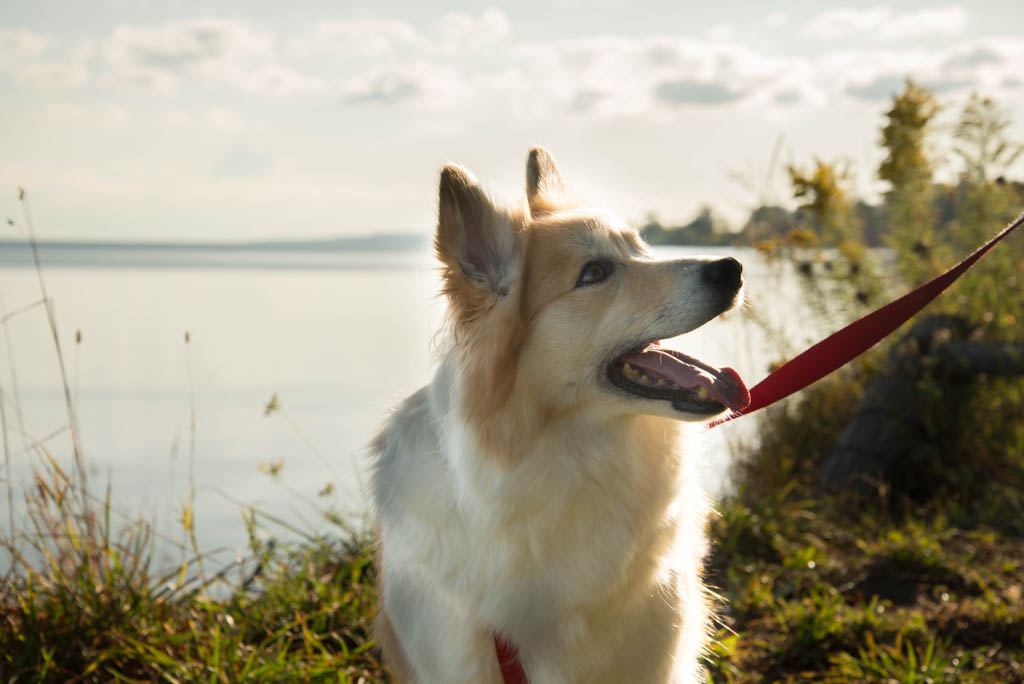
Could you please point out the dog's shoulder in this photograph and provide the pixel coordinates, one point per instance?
(406, 455)
(406, 422)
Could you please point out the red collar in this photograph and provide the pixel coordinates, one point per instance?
(508, 660)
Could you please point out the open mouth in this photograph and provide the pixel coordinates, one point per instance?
(656, 372)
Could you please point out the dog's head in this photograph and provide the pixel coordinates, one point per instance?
(563, 308)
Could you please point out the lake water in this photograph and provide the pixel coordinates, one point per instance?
(338, 336)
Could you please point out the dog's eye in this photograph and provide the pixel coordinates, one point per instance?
(594, 272)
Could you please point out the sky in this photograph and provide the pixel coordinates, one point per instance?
(256, 119)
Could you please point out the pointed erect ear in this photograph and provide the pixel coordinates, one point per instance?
(475, 240)
(545, 188)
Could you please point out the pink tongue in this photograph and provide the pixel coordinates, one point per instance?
(723, 384)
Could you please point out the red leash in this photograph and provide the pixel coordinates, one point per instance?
(850, 342)
(810, 366)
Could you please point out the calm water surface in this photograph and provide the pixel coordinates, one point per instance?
(338, 336)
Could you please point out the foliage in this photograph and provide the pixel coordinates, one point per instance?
(82, 601)
(906, 164)
(994, 297)
(826, 200)
(919, 579)
(820, 586)
(928, 226)
(825, 241)
(296, 614)
(908, 171)
(981, 141)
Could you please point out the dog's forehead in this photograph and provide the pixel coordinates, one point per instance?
(591, 232)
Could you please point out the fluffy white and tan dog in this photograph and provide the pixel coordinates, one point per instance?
(536, 489)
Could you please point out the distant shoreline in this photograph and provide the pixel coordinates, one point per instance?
(396, 242)
(394, 251)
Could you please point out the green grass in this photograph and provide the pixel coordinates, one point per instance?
(307, 621)
(914, 585)
(82, 603)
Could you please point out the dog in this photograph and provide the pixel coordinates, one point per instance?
(536, 491)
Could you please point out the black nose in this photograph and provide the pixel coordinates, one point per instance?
(724, 272)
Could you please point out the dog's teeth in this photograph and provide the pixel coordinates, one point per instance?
(702, 393)
(645, 380)
(630, 372)
(660, 383)
(676, 386)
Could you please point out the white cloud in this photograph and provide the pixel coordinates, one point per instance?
(177, 119)
(243, 162)
(230, 121)
(17, 47)
(359, 38)
(66, 112)
(843, 22)
(427, 85)
(615, 76)
(447, 65)
(724, 32)
(370, 38)
(384, 86)
(875, 74)
(885, 23)
(457, 30)
(776, 20)
(656, 76)
(215, 50)
(273, 79)
(52, 74)
(108, 114)
(219, 119)
(947, 21)
(29, 58)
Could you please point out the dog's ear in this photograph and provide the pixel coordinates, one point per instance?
(476, 241)
(546, 190)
